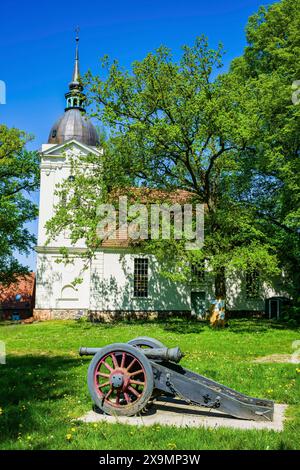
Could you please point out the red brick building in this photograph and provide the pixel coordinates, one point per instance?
(17, 299)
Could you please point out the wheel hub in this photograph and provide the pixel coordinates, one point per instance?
(117, 380)
(121, 381)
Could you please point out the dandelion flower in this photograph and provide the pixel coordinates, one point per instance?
(172, 445)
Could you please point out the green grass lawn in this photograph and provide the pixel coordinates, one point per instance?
(43, 384)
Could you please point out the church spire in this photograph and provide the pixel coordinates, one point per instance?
(75, 98)
(76, 73)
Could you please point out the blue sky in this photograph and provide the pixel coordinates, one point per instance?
(37, 47)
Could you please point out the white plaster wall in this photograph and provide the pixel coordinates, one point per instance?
(108, 285)
(53, 284)
(46, 202)
(50, 178)
(112, 286)
(237, 298)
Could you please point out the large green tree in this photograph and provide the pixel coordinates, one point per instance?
(173, 125)
(19, 177)
(270, 67)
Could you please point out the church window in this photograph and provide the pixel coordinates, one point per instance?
(140, 277)
(54, 132)
(198, 271)
(252, 284)
(63, 199)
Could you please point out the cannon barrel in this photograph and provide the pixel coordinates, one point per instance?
(88, 351)
(165, 354)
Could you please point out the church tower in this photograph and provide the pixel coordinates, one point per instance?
(71, 136)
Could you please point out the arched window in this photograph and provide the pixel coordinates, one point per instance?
(198, 271)
(252, 284)
(63, 199)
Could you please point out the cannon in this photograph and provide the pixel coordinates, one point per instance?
(123, 378)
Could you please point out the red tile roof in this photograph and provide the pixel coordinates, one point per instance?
(145, 196)
(152, 195)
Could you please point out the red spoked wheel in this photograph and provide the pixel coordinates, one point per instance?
(120, 380)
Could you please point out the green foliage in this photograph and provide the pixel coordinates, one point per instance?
(172, 126)
(19, 176)
(271, 186)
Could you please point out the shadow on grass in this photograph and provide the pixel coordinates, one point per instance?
(178, 325)
(173, 324)
(182, 325)
(32, 389)
(258, 325)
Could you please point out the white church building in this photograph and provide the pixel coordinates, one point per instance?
(119, 280)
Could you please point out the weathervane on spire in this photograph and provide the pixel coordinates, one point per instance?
(77, 30)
